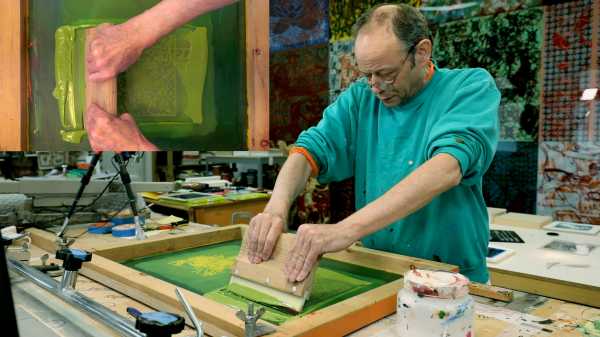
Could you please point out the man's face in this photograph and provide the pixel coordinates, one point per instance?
(387, 64)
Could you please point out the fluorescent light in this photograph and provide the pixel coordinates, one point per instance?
(589, 94)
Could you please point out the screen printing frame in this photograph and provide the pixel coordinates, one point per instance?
(218, 319)
(15, 84)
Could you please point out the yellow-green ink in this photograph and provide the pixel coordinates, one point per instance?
(207, 265)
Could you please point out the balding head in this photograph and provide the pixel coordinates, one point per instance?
(406, 22)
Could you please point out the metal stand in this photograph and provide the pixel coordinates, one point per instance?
(188, 310)
(120, 158)
(72, 260)
(85, 180)
(126, 180)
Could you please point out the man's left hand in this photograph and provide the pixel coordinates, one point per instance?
(107, 132)
(312, 241)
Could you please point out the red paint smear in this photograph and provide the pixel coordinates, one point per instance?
(563, 65)
(560, 42)
(580, 27)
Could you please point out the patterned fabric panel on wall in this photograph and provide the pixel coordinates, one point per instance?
(299, 90)
(344, 13)
(569, 181)
(298, 23)
(567, 55)
(312, 206)
(342, 67)
(510, 182)
(442, 11)
(597, 115)
(508, 46)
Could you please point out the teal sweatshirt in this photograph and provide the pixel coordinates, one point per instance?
(455, 113)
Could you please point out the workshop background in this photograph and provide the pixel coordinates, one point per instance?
(543, 55)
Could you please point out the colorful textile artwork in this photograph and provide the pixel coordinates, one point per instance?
(510, 182)
(567, 71)
(298, 23)
(344, 13)
(299, 91)
(342, 67)
(569, 181)
(507, 45)
(597, 98)
(312, 206)
(441, 11)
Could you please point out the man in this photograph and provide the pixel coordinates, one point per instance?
(417, 139)
(115, 48)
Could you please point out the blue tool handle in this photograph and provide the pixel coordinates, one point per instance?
(134, 312)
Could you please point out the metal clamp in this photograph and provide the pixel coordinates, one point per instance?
(250, 318)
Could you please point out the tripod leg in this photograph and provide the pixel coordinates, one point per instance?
(126, 180)
(85, 180)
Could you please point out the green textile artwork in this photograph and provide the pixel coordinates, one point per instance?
(344, 13)
(509, 46)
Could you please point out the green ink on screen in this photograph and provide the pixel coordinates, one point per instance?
(206, 270)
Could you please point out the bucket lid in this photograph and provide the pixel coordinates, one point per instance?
(440, 284)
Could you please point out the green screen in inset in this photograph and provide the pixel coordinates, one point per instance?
(186, 92)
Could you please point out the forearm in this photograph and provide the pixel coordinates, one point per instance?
(434, 177)
(290, 183)
(168, 15)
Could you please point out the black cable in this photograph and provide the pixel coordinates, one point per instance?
(79, 209)
(101, 193)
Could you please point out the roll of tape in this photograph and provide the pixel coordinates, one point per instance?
(101, 228)
(121, 231)
(122, 221)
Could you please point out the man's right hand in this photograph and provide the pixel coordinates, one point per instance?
(264, 231)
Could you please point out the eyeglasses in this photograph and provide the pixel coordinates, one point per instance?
(389, 77)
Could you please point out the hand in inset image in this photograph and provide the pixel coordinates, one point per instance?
(107, 132)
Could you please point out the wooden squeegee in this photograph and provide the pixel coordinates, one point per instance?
(267, 281)
(103, 93)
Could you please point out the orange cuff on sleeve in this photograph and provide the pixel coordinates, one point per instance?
(313, 164)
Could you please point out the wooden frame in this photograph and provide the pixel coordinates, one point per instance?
(14, 133)
(15, 81)
(563, 290)
(257, 73)
(335, 320)
(217, 214)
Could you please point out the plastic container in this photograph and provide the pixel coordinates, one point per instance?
(434, 303)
